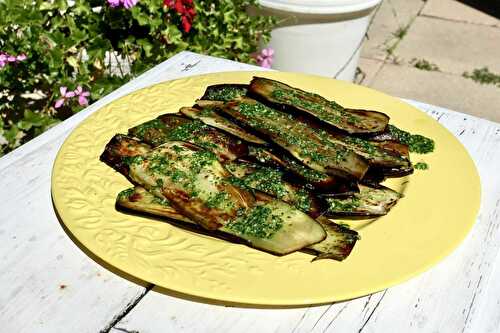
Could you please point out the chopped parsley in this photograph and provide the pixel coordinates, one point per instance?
(258, 222)
(421, 166)
(125, 194)
(224, 93)
(416, 143)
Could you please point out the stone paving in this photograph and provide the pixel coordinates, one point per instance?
(421, 49)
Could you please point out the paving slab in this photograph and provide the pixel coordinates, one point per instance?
(368, 70)
(391, 16)
(447, 90)
(457, 11)
(455, 47)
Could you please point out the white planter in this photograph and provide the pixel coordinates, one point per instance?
(320, 37)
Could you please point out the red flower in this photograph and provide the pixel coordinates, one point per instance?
(185, 8)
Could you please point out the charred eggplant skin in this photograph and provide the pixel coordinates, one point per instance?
(119, 150)
(294, 100)
(339, 242)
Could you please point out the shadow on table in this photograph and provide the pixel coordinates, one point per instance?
(172, 293)
(490, 7)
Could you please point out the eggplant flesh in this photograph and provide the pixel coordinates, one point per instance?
(285, 97)
(337, 245)
(209, 117)
(301, 141)
(171, 127)
(370, 201)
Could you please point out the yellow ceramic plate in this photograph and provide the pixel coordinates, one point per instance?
(438, 210)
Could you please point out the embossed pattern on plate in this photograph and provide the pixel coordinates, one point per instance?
(438, 210)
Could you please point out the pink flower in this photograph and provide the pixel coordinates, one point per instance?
(113, 3)
(265, 57)
(126, 3)
(3, 59)
(64, 96)
(6, 58)
(129, 3)
(82, 95)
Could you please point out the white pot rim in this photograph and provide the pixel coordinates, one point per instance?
(319, 6)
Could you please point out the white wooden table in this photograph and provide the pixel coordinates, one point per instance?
(49, 285)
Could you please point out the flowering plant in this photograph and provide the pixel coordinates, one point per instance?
(58, 56)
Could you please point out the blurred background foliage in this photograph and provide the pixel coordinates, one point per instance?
(91, 44)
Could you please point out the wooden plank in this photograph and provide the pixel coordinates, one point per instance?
(48, 283)
(447, 298)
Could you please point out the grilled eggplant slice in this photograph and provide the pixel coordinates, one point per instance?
(209, 117)
(301, 141)
(171, 127)
(292, 99)
(271, 181)
(337, 245)
(370, 201)
(197, 186)
(224, 92)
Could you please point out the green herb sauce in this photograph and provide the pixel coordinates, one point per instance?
(258, 222)
(421, 166)
(131, 160)
(125, 194)
(225, 93)
(161, 201)
(218, 200)
(343, 205)
(417, 143)
(140, 130)
(328, 111)
(270, 181)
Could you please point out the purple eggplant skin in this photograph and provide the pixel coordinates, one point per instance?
(176, 127)
(293, 100)
(301, 141)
